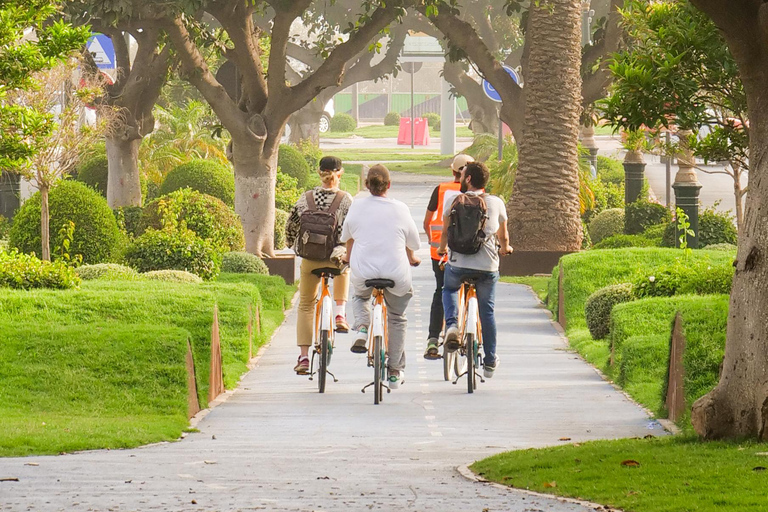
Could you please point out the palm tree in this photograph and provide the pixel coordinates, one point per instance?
(544, 207)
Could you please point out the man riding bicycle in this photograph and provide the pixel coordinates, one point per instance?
(381, 238)
(433, 227)
(313, 229)
(483, 265)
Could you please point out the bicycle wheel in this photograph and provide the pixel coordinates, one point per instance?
(322, 367)
(449, 362)
(469, 344)
(378, 368)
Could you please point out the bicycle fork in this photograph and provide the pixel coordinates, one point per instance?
(470, 327)
(326, 324)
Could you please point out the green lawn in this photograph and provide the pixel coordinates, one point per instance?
(103, 366)
(537, 283)
(388, 132)
(404, 154)
(675, 474)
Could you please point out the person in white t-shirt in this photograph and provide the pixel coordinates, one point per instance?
(381, 238)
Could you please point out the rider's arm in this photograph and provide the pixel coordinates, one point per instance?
(427, 219)
(443, 249)
(348, 256)
(503, 235)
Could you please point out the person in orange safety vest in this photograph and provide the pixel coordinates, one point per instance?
(443, 195)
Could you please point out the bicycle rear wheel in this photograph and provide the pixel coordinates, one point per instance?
(322, 368)
(469, 344)
(449, 363)
(378, 369)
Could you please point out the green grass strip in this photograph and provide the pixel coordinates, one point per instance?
(539, 284)
(676, 474)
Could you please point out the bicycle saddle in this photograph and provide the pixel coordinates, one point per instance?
(471, 278)
(326, 270)
(379, 283)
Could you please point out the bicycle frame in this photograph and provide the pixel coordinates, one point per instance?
(323, 323)
(378, 325)
(469, 326)
(378, 345)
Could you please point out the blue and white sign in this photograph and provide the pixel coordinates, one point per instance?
(491, 91)
(102, 50)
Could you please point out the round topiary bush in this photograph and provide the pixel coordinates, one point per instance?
(243, 263)
(24, 272)
(206, 176)
(622, 240)
(173, 250)
(597, 308)
(641, 215)
(96, 235)
(94, 171)
(291, 162)
(281, 218)
(721, 247)
(208, 217)
(172, 276)
(716, 228)
(655, 233)
(343, 123)
(392, 119)
(606, 223)
(433, 120)
(106, 271)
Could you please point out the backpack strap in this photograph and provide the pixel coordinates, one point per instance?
(336, 203)
(311, 206)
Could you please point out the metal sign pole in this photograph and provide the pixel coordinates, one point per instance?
(669, 171)
(501, 134)
(413, 72)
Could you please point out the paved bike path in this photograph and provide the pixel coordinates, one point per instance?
(277, 444)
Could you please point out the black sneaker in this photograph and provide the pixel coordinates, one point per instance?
(490, 369)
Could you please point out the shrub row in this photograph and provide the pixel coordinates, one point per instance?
(25, 271)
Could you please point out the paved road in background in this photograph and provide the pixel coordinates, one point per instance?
(277, 444)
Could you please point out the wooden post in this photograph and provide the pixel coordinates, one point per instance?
(675, 400)
(258, 319)
(561, 298)
(250, 332)
(216, 379)
(193, 403)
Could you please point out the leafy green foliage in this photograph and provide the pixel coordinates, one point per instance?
(716, 228)
(290, 161)
(721, 247)
(129, 219)
(172, 276)
(610, 170)
(698, 277)
(606, 223)
(105, 271)
(177, 249)
(621, 240)
(342, 122)
(434, 120)
(206, 216)
(25, 271)
(640, 215)
(243, 263)
(311, 153)
(281, 218)
(206, 176)
(287, 191)
(95, 237)
(597, 308)
(5, 227)
(392, 119)
(94, 172)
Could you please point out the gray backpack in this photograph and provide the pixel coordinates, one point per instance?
(317, 229)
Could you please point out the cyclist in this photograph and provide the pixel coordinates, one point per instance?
(381, 238)
(302, 221)
(433, 227)
(484, 265)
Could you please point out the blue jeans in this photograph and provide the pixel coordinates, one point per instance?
(485, 288)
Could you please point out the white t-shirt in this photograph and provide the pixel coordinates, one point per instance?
(382, 228)
(487, 258)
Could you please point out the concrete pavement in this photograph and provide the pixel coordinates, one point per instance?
(277, 444)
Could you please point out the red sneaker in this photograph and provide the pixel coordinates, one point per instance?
(341, 324)
(302, 366)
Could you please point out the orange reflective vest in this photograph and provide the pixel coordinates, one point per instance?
(436, 224)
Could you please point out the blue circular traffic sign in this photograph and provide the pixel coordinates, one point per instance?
(491, 91)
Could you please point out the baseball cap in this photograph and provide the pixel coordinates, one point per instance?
(460, 161)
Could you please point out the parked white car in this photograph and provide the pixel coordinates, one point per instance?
(325, 122)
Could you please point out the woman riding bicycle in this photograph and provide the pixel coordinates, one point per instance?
(381, 238)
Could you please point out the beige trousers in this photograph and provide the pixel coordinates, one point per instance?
(309, 285)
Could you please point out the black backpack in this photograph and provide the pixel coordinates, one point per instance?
(317, 230)
(467, 220)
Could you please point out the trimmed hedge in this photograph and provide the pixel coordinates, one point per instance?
(106, 271)
(281, 218)
(291, 162)
(392, 119)
(622, 240)
(243, 263)
(94, 172)
(173, 250)
(721, 247)
(206, 216)
(286, 191)
(343, 123)
(172, 276)
(702, 278)
(610, 170)
(597, 308)
(205, 176)
(24, 272)
(96, 235)
(714, 228)
(641, 215)
(606, 223)
(433, 120)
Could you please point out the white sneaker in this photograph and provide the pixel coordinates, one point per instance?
(489, 370)
(452, 339)
(394, 381)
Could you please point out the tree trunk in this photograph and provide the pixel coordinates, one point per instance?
(544, 207)
(45, 220)
(738, 406)
(738, 193)
(255, 179)
(305, 122)
(483, 111)
(124, 181)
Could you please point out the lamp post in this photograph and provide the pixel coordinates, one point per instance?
(687, 188)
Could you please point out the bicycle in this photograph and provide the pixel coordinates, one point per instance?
(377, 338)
(471, 333)
(324, 329)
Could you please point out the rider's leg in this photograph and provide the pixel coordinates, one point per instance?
(486, 301)
(308, 286)
(436, 312)
(397, 323)
(361, 309)
(340, 295)
(451, 287)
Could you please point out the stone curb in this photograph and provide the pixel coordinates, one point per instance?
(469, 475)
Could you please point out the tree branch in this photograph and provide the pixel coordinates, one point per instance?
(281, 32)
(596, 82)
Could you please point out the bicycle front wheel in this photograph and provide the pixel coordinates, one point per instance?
(449, 362)
(322, 369)
(469, 344)
(378, 369)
